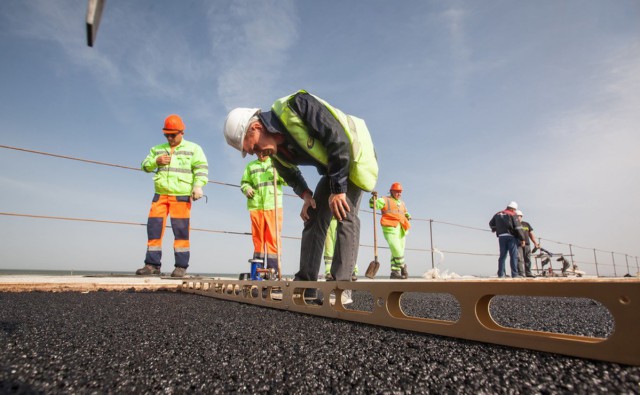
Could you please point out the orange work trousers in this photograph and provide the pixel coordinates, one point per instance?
(263, 231)
(179, 208)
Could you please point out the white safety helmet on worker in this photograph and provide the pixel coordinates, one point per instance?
(236, 124)
(519, 213)
(512, 205)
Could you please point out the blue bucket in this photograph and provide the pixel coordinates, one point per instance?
(255, 265)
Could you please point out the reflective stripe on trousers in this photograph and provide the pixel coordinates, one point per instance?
(263, 233)
(396, 238)
(179, 208)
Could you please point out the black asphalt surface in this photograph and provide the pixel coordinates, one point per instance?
(162, 342)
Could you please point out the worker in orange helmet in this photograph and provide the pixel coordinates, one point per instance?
(395, 226)
(180, 171)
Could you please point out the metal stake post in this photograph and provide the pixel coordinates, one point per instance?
(433, 265)
(626, 258)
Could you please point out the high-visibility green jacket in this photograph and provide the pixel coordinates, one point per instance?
(258, 175)
(339, 145)
(188, 168)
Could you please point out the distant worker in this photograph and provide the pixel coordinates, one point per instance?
(395, 226)
(329, 248)
(257, 186)
(510, 235)
(181, 170)
(524, 253)
(302, 129)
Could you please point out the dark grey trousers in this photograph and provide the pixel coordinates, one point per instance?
(315, 233)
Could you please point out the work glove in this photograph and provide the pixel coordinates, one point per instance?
(196, 193)
(249, 192)
(408, 216)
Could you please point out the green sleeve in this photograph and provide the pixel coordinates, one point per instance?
(245, 182)
(149, 163)
(200, 167)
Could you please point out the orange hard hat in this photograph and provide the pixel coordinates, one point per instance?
(173, 124)
(396, 186)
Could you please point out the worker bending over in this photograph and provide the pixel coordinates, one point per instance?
(302, 129)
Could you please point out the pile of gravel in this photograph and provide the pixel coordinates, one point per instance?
(126, 342)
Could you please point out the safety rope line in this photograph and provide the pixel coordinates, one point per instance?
(585, 248)
(238, 186)
(203, 230)
(460, 226)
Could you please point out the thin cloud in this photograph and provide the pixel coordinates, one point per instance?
(251, 41)
(461, 53)
(592, 171)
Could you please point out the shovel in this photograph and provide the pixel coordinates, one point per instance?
(275, 211)
(374, 265)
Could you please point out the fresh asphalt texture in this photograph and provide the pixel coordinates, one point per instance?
(163, 342)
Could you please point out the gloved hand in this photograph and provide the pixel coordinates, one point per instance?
(408, 216)
(249, 192)
(374, 196)
(196, 193)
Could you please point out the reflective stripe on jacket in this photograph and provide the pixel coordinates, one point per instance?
(258, 175)
(188, 168)
(362, 162)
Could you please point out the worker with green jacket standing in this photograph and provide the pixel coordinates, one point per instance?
(258, 186)
(180, 171)
(395, 226)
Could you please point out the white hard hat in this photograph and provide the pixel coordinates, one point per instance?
(512, 205)
(518, 212)
(235, 126)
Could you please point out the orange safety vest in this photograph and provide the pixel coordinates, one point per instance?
(393, 213)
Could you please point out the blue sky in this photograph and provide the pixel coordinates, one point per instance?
(471, 104)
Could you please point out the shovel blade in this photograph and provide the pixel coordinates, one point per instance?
(372, 269)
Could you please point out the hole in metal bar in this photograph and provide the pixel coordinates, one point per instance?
(272, 294)
(432, 306)
(363, 301)
(571, 316)
(307, 297)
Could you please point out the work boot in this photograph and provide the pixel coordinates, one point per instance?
(329, 277)
(179, 272)
(148, 270)
(404, 272)
(396, 275)
(345, 298)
